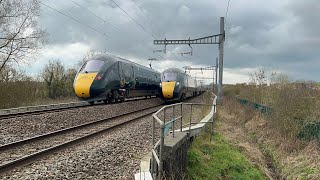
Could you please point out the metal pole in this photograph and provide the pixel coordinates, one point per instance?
(212, 125)
(213, 81)
(221, 40)
(152, 159)
(161, 152)
(190, 120)
(181, 119)
(173, 120)
(216, 73)
(153, 127)
(164, 115)
(152, 166)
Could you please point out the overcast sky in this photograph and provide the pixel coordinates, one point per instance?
(278, 35)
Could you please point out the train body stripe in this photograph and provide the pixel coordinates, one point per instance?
(167, 89)
(83, 83)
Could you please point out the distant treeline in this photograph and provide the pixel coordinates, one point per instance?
(19, 89)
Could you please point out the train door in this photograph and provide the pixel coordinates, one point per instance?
(133, 77)
(121, 74)
(187, 84)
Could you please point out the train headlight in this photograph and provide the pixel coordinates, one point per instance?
(160, 84)
(177, 84)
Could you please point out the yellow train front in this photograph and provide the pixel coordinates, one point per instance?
(176, 85)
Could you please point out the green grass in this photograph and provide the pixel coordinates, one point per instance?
(219, 160)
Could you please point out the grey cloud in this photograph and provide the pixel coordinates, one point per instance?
(280, 34)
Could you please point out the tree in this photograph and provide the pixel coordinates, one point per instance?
(71, 74)
(55, 77)
(20, 34)
(10, 74)
(18, 88)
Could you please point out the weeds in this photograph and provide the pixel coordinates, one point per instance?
(284, 152)
(217, 159)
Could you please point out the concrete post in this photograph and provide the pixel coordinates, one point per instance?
(221, 41)
(216, 84)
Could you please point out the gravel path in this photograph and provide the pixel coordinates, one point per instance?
(19, 128)
(113, 155)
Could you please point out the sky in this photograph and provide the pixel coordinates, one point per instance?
(281, 36)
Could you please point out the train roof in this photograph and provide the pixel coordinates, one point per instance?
(113, 59)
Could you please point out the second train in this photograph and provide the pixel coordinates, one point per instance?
(177, 85)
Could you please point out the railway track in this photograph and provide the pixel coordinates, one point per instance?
(26, 151)
(63, 108)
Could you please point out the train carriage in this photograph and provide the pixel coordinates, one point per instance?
(176, 85)
(109, 78)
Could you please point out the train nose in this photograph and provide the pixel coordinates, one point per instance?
(83, 83)
(167, 89)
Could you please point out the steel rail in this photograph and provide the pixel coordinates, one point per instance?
(27, 159)
(37, 112)
(60, 131)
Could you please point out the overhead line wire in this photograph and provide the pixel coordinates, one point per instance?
(86, 9)
(70, 17)
(125, 45)
(83, 24)
(227, 12)
(136, 22)
(87, 26)
(95, 15)
(151, 22)
(133, 19)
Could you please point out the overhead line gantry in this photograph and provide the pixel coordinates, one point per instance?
(214, 39)
(210, 68)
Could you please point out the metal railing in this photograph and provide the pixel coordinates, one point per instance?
(157, 150)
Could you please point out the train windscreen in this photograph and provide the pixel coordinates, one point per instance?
(169, 76)
(92, 66)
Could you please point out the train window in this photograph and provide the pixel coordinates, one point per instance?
(92, 66)
(169, 76)
(83, 65)
(127, 70)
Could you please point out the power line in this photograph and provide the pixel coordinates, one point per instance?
(133, 19)
(86, 9)
(70, 17)
(227, 12)
(83, 24)
(137, 23)
(104, 34)
(151, 22)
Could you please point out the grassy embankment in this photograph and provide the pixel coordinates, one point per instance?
(284, 144)
(273, 149)
(219, 159)
(211, 156)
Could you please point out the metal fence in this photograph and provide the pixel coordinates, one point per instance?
(165, 126)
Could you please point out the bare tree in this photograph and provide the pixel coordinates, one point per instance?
(20, 34)
(10, 74)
